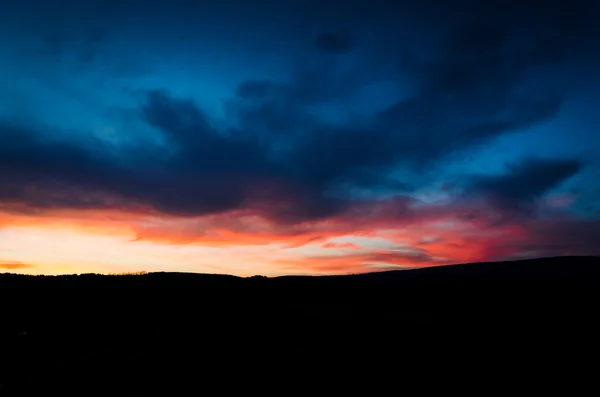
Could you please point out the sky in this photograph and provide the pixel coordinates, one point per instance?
(296, 137)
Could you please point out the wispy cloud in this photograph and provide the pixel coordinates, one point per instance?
(14, 265)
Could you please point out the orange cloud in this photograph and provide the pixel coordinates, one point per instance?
(362, 262)
(14, 265)
(246, 243)
(222, 230)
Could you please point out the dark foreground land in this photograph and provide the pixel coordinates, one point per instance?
(482, 326)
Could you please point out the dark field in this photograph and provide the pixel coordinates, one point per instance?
(180, 334)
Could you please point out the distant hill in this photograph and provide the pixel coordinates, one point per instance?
(556, 269)
(171, 333)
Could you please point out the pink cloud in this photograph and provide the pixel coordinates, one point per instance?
(341, 245)
(419, 234)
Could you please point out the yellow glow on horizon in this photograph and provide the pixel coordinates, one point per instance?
(95, 241)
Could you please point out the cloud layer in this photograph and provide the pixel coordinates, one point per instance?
(345, 130)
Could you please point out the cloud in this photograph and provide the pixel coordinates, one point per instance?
(525, 182)
(563, 236)
(326, 133)
(422, 235)
(14, 265)
(412, 257)
(474, 88)
(279, 154)
(360, 262)
(340, 245)
(45, 173)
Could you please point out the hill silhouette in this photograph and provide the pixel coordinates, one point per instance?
(579, 269)
(172, 333)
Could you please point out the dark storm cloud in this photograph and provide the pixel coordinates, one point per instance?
(43, 173)
(525, 182)
(473, 89)
(220, 170)
(282, 156)
(38, 172)
(202, 170)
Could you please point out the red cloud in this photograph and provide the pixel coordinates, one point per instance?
(425, 235)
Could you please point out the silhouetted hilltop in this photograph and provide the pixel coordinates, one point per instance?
(176, 333)
(557, 269)
(570, 268)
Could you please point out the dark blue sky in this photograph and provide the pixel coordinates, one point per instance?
(301, 113)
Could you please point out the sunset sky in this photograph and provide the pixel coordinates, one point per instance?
(296, 137)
